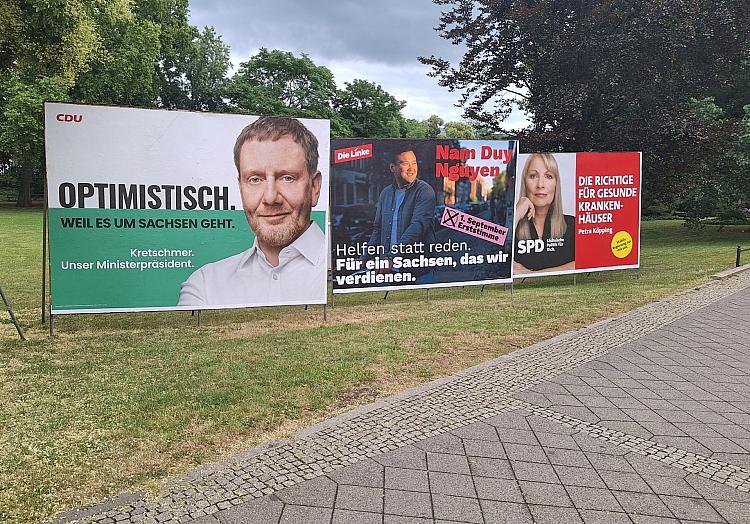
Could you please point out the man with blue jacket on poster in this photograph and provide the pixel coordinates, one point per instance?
(405, 210)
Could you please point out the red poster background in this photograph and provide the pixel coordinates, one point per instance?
(593, 250)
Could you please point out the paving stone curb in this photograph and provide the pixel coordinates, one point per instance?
(472, 395)
(730, 272)
(123, 500)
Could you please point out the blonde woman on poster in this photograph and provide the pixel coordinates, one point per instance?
(545, 236)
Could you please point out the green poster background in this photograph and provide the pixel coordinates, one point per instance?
(79, 236)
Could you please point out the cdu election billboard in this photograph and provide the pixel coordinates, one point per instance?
(153, 210)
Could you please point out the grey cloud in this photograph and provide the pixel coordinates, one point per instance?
(376, 40)
(393, 32)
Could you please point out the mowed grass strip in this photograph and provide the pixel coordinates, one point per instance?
(121, 402)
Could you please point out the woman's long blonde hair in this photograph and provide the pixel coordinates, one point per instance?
(557, 220)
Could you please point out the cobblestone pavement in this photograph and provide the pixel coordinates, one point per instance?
(642, 418)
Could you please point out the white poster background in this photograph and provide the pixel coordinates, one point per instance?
(566, 163)
(152, 146)
(106, 144)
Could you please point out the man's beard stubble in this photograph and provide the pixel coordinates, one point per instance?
(281, 235)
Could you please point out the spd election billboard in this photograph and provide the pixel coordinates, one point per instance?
(577, 212)
(418, 214)
(154, 210)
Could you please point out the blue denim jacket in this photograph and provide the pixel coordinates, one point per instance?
(415, 216)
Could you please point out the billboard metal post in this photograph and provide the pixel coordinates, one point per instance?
(12, 315)
(44, 253)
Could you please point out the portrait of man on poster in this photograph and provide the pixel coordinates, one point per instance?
(405, 208)
(279, 182)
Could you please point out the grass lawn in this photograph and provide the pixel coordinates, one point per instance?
(120, 402)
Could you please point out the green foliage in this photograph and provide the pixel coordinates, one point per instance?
(430, 128)
(655, 210)
(605, 76)
(192, 67)
(127, 52)
(720, 186)
(369, 111)
(22, 128)
(279, 83)
(124, 72)
(706, 109)
(50, 39)
(459, 130)
(434, 126)
(411, 128)
(175, 39)
(44, 47)
(206, 66)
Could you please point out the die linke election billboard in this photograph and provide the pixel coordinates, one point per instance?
(420, 214)
(577, 212)
(147, 211)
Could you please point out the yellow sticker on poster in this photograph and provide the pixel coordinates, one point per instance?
(622, 244)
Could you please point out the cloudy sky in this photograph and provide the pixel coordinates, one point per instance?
(376, 40)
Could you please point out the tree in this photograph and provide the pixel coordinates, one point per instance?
(458, 130)
(189, 67)
(411, 128)
(720, 185)
(369, 111)
(42, 39)
(484, 132)
(434, 125)
(434, 128)
(206, 67)
(123, 73)
(596, 75)
(279, 83)
(44, 47)
(175, 38)
(129, 52)
(22, 129)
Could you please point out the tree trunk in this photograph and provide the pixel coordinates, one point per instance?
(24, 188)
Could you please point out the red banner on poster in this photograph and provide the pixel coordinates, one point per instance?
(348, 154)
(608, 188)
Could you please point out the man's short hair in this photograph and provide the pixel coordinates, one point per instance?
(395, 148)
(275, 127)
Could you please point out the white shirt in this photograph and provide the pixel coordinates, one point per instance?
(247, 279)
